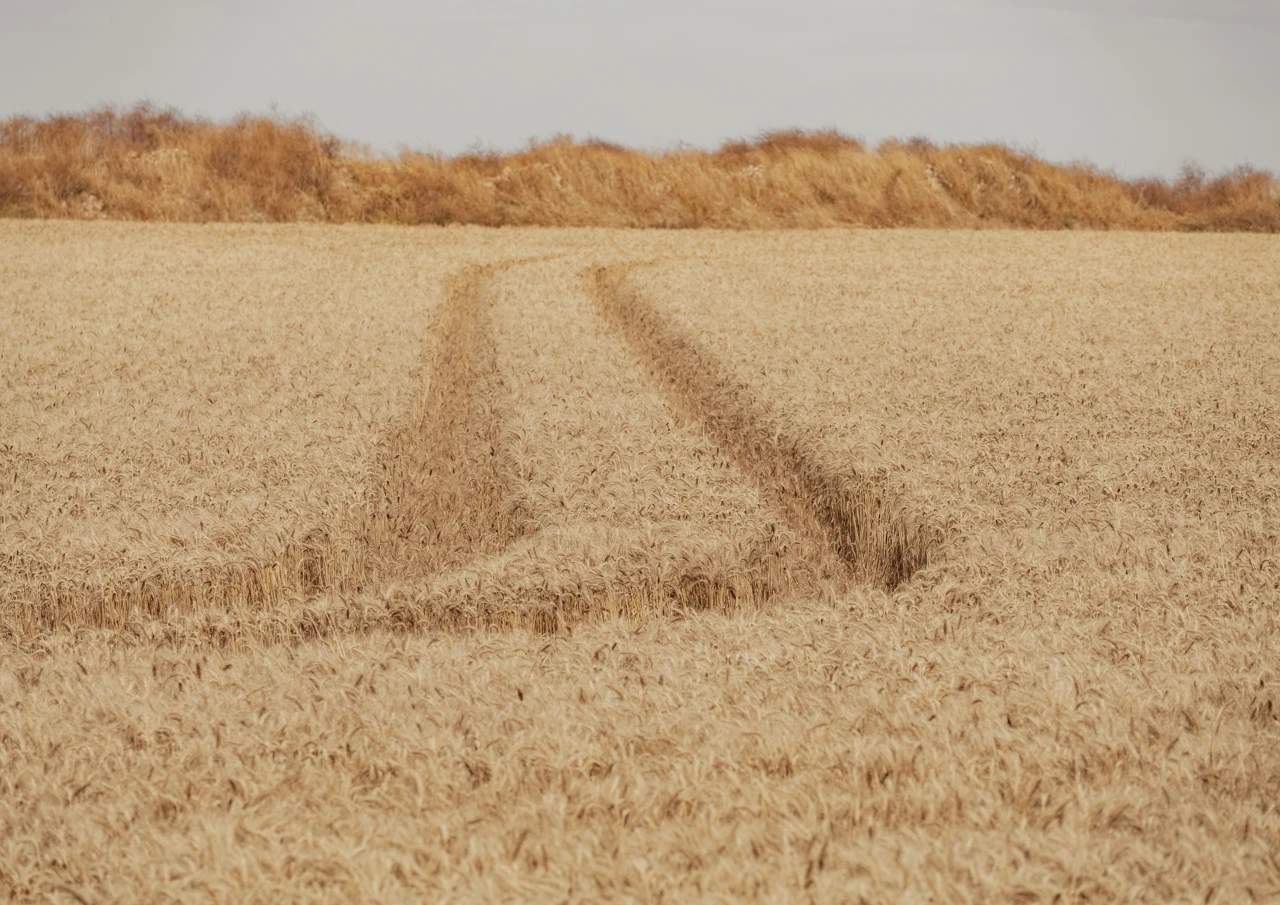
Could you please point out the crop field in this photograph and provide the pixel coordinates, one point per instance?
(365, 563)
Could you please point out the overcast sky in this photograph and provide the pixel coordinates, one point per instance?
(1138, 86)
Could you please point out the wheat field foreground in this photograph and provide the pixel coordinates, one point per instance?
(375, 564)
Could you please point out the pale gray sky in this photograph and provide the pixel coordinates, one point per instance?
(1139, 86)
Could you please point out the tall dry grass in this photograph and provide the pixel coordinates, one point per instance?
(149, 164)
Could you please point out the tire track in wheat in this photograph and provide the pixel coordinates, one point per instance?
(832, 504)
(432, 504)
(440, 500)
(612, 509)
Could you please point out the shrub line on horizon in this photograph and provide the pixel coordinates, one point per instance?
(148, 164)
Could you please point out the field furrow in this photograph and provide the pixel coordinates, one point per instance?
(615, 508)
(193, 428)
(825, 496)
(1083, 415)
(438, 503)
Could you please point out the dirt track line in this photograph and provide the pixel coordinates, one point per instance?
(587, 545)
(433, 505)
(857, 517)
(440, 499)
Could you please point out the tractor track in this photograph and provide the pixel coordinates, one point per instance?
(839, 510)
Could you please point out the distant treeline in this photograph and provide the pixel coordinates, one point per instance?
(150, 164)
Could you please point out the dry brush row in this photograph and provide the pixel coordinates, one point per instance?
(145, 164)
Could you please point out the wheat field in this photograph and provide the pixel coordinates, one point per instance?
(383, 564)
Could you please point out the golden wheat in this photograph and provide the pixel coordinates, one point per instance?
(617, 509)
(864, 527)
(1111, 394)
(1068, 436)
(191, 423)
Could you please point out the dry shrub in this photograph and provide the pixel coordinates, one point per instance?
(149, 164)
(1244, 199)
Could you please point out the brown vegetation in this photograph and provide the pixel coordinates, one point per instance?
(695, 465)
(145, 164)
